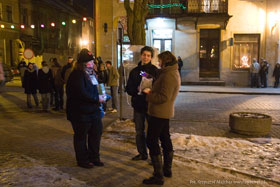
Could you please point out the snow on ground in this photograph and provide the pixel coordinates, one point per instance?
(20, 170)
(255, 156)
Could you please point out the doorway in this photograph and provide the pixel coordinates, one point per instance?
(209, 53)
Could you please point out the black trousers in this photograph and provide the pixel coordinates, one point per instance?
(59, 95)
(87, 138)
(158, 129)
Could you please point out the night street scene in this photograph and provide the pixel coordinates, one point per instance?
(109, 93)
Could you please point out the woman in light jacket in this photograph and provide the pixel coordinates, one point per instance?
(160, 109)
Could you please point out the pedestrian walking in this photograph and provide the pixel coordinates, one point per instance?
(45, 80)
(30, 84)
(138, 101)
(21, 68)
(83, 111)
(180, 65)
(254, 70)
(276, 74)
(58, 83)
(113, 80)
(161, 100)
(264, 66)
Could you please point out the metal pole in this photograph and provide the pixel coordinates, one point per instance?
(120, 41)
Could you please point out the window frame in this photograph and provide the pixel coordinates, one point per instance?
(258, 37)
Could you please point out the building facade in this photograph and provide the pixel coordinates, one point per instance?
(217, 39)
(50, 28)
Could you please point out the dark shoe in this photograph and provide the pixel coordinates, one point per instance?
(98, 163)
(140, 157)
(157, 177)
(86, 165)
(167, 157)
(153, 180)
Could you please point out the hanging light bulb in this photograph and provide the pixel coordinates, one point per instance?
(74, 21)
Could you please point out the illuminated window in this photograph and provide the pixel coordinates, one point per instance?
(245, 48)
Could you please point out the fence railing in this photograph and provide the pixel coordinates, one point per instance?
(185, 7)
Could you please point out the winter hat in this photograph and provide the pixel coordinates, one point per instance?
(84, 56)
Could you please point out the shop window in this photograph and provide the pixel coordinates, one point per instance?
(245, 48)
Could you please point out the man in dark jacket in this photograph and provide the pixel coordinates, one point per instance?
(66, 70)
(83, 111)
(138, 101)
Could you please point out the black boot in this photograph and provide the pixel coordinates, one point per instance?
(157, 177)
(168, 157)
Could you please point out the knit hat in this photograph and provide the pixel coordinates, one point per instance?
(84, 56)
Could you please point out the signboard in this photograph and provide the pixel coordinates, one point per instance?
(28, 54)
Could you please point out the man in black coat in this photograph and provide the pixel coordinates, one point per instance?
(83, 111)
(138, 101)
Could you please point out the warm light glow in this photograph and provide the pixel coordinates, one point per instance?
(53, 24)
(22, 26)
(42, 26)
(12, 26)
(2, 26)
(74, 21)
(84, 19)
(32, 26)
(84, 42)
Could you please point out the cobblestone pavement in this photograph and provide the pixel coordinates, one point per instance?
(208, 113)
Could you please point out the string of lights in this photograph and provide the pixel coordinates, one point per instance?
(32, 26)
(167, 5)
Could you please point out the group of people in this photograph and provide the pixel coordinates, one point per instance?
(259, 73)
(155, 104)
(49, 81)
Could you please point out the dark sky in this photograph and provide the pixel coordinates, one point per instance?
(87, 4)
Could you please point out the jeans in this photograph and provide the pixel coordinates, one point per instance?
(139, 119)
(87, 138)
(158, 128)
(114, 94)
(29, 105)
(255, 80)
(45, 101)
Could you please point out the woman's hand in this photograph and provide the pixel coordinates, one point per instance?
(147, 90)
(102, 98)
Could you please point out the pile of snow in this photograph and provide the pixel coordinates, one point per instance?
(259, 159)
(237, 154)
(20, 170)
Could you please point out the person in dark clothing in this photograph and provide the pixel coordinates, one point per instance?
(83, 111)
(263, 73)
(21, 68)
(58, 83)
(102, 75)
(45, 80)
(30, 82)
(276, 74)
(66, 70)
(161, 99)
(180, 65)
(138, 101)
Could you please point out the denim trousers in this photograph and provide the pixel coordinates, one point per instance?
(158, 129)
(29, 104)
(139, 120)
(87, 139)
(45, 100)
